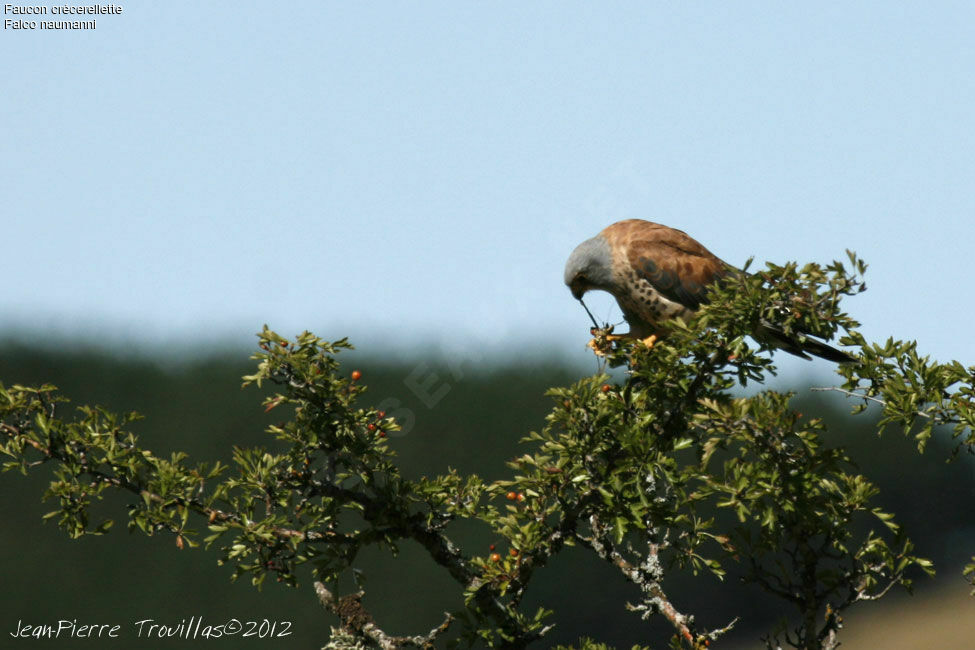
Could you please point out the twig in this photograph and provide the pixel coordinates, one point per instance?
(864, 396)
(848, 393)
(358, 622)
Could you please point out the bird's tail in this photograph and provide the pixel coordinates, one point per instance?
(775, 337)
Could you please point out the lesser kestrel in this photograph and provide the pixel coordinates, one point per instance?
(657, 273)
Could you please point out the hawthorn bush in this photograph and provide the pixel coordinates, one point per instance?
(667, 469)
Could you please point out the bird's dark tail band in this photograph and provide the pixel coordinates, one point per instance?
(775, 337)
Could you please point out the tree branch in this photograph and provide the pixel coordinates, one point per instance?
(358, 622)
(647, 577)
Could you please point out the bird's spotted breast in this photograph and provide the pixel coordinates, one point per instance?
(643, 300)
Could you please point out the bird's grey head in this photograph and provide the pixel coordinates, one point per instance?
(589, 267)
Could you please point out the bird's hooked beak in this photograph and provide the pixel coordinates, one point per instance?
(578, 287)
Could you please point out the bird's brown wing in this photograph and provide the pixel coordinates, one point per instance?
(674, 263)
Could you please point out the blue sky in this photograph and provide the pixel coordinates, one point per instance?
(419, 172)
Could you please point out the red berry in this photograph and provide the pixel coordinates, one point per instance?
(381, 414)
(511, 496)
(264, 346)
(520, 497)
(495, 557)
(606, 388)
(356, 375)
(382, 434)
(513, 552)
(491, 547)
(371, 427)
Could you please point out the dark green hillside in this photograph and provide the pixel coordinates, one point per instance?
(466, 419)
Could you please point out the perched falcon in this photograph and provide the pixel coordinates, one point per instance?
(657, 273)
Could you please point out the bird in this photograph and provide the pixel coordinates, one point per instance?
(657, 273)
